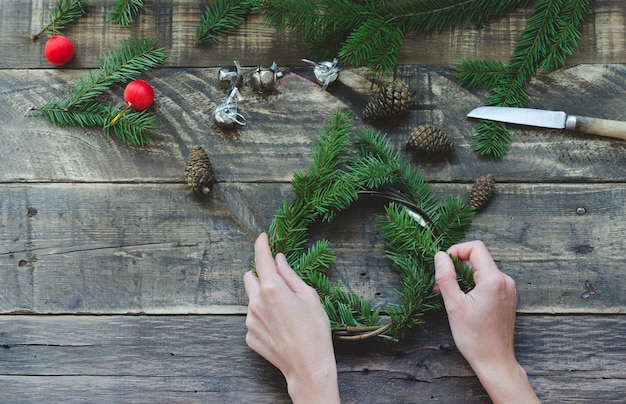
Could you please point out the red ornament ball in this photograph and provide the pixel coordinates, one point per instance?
(139, 95)
(58, 50)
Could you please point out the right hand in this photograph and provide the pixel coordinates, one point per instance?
(483, 321)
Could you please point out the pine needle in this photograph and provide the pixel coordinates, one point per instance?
(219, 18)
(123, 12)
(480, 74)
(64, 13)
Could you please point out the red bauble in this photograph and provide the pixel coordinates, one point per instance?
(58, 50)
(139, 95)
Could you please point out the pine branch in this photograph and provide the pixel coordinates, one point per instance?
(288, 231)
(318, 258)
(491, 138)
(373, 30)
(91, 114)
(123, 12)
(328, 156)
(344, 310)
(81, 109)
(219, 18)
(465, 274)
(416, 296)
(133, 127)
(474, 74)
(407, 179)
(404, 234)
(452, 220)
(550, 35)
(567, 35)
(376, 41)
(65, 12)
(120, 65)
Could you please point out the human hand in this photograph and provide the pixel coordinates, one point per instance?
(483, 321)
(288, 326)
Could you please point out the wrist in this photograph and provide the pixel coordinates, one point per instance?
(320, 386)
(505, 382)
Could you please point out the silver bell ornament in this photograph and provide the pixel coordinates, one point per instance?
(230, 77)
(226, 114)
(325, 72)
(264, 79)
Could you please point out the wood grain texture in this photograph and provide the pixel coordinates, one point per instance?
(174, 23)
(282, 127)
(134, 285)
(179, 359)
(156, 248)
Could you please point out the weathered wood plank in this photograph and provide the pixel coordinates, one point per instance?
(155, 248)
(174, 23)
(282, 127)
(204, 358)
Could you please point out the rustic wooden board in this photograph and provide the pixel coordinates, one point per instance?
(155, 248)
(174, 23)
(282, 127)
(204, 359)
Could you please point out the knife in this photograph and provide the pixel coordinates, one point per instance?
(551, 119)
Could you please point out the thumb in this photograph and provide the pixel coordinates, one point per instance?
(445, 279)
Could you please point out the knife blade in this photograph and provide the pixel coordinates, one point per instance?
(551, 119)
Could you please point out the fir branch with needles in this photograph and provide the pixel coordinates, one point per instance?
(120, 65)
(219, 18)
(337, 176)
(550, 35)
(64, 13)
(372, 32)
(123, 12)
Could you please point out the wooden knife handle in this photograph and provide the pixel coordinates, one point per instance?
(602, 127)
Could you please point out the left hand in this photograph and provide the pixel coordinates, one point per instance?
(288, 326)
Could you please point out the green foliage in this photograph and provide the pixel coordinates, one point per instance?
(64, 13)
(550, 35)
(480, 74)
(372, 31)
(220, 17)
(80, 107)
(123, 12)
(415, 225)
(567, 37)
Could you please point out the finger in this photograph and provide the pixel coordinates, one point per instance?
(263, 259)
(251, 285)
(476, 253)
(445, 278)
(291, 278)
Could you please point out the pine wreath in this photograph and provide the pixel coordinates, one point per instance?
(415, 226)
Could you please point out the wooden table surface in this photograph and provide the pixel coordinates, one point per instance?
(119, 285)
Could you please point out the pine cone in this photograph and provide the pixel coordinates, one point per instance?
(430, 139)
(199, 171)
(482, 191)
(392, 100)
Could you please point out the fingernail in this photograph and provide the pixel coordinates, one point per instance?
(280, 259)
(440, 258)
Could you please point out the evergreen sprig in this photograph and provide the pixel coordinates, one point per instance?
(550, 35)
(120, 65)
(219, 18)
(415, 225)
(123, 12)
(64, 13)
(372, 31)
